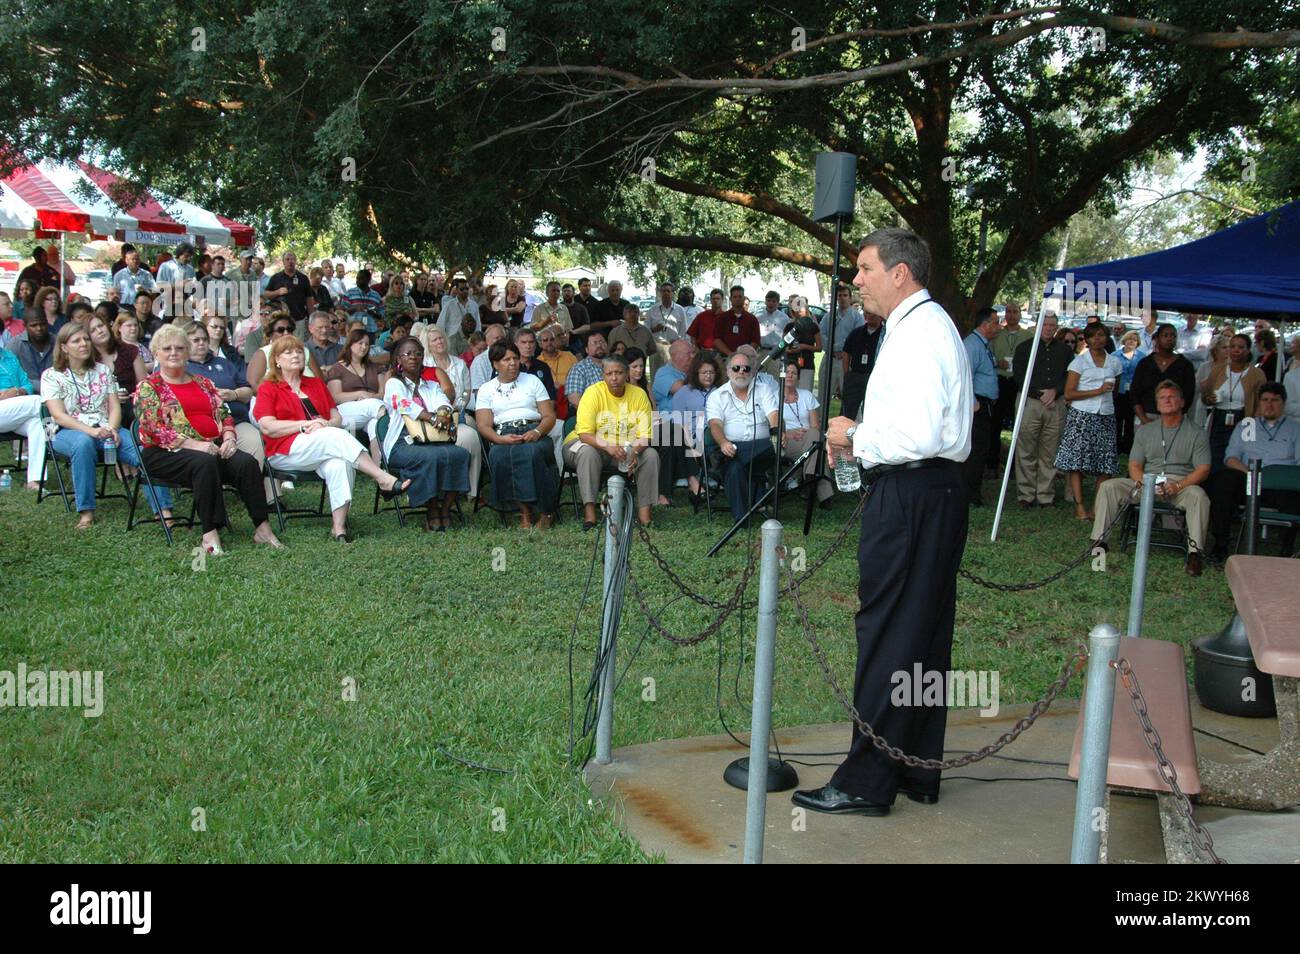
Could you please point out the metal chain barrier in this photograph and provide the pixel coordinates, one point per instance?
(1037, 584)
(1072, 666)
(1168, 774)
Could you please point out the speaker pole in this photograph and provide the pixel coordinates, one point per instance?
(828, 355)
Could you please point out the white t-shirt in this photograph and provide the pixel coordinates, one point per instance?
(1091, 378)
(797, 413)
(516, 401)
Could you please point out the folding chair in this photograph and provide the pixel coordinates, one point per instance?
(152, 484)
(52, 455)
(275, 474)
(9, 438)
(1284, 477)
(1166, 520)
(381, 432)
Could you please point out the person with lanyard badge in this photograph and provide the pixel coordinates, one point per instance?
(984, 375)
(914, 435)
(1178, 453)
(1230, 391)
(1272, 439)
(802, 429)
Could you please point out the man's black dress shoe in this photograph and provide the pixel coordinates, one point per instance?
(832, 801)
(924, 798)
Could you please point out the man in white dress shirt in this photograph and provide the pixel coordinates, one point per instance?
(666, 321)
(916, 428)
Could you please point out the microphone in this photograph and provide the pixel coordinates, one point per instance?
(785, 343)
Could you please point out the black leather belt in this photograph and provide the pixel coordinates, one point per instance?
(880, 470)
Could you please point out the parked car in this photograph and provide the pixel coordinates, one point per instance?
(93, 285)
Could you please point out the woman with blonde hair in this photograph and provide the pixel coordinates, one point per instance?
(304, 431)
(81, 396)
(188, 435)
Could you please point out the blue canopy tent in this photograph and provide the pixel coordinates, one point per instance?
(1251, 269)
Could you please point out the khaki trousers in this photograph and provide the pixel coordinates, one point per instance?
(587, 462)
(1040, 436)
(1192, 501)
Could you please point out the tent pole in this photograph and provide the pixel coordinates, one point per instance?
(1057, 286)
(63, 263)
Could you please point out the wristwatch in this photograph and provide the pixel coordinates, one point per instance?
(850, 432)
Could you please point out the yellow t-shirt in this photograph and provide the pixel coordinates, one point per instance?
(560, 365)
(615, 420)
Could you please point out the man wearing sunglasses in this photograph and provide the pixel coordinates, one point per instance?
(741, 416)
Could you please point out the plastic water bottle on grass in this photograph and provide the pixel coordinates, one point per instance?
(6, 481)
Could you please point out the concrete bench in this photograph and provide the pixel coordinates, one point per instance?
(1162, 673)
(1265, 591)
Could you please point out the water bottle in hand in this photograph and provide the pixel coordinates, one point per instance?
(110, 451)
(847, 476)
(627, 458)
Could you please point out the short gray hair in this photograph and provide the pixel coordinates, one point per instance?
(614, 359)
(902, 245)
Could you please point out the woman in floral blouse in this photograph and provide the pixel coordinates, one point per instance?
(188, 437)
(85, 417)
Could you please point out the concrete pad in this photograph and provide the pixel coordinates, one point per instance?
(670, 796)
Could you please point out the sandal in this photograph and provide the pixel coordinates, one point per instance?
(398, 488)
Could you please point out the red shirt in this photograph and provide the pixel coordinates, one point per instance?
(736, 330)
(276, 399)
(704, 329)
(197, 407)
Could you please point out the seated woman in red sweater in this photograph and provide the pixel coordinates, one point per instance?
(304, 431)
(187, 435)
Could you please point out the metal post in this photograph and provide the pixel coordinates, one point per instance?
(1094, 754)
(609, 625)
(1137, 598)
(1253, 484)
(1058, 288)
(760, 723)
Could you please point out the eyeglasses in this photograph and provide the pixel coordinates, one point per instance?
(281, 330)
(741, 368)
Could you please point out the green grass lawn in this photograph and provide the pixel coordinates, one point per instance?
(224, 687)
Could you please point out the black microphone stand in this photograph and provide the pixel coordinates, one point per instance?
(828, 347)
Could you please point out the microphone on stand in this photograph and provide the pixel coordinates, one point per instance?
(779, 350)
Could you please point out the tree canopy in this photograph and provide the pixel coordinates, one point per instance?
(674, 133)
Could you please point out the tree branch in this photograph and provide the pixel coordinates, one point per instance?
(599, 232)
(759, 202)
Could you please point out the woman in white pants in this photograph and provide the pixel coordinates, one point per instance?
(354, 385)
(304, 431)
(20, 412)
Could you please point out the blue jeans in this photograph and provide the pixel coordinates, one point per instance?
(84, 452)
(753, 459)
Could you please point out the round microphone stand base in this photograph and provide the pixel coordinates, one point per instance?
(781, 777)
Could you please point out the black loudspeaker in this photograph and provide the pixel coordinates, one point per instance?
(837, 174)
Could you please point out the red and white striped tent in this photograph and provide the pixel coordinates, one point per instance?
(48, 198)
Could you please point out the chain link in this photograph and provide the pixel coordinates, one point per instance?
(1073, 665)
(1168, 773)
(1038, 584)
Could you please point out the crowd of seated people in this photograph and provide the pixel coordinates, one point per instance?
(440, 390)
